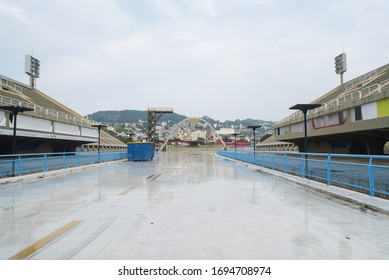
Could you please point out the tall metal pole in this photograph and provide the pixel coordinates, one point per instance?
(235, 134)
(305, 132)
(98, 146)
(254, 139)
(305, 141)
(254, 127)
(14, 110)
(98, 126)
(14, 116)
(304, 108)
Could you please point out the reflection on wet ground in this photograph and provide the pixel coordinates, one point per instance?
(189, 205)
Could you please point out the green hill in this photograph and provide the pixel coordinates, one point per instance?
(130, 116)
(133, 116)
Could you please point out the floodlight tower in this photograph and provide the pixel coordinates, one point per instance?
(340, 65)
(32, 69)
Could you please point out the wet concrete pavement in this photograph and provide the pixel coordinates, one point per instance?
(187, 205)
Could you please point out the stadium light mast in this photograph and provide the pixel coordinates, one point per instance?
(32, 69)
(340, 66)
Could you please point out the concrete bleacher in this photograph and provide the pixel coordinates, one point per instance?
(76, 129)
(342, 127)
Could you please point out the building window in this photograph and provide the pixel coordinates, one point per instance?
(341, 117)
(358, 113)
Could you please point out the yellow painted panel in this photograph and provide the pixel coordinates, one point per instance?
(383, 108)
(127, 191)
(24, 254)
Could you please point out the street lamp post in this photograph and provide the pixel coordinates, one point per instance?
(235, 134)
(225, 138)
(254, 127)
(99, 127)
(304, 108)
(14, 110)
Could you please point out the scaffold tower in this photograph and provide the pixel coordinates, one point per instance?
(153, 115)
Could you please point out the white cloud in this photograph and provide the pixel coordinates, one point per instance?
(134, 43)
(204, 6)
(14, 11)
(167, 7)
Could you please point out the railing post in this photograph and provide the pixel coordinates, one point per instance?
(371, 177)
(285, 163)
(45, 163)
(20, 170)
(79, 159)
(329, 169)
(64, 160)
(272, 161)
(302, 166)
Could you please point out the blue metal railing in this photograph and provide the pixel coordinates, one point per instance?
(369, 174)
(20, 164)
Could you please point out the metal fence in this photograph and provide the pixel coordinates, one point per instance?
(20, 164)
(368, 174)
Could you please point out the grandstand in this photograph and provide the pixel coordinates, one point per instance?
(353, 118)
(50, 127)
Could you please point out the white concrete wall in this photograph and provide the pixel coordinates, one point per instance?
(31, 123)
(89, 132)
(3, 121)
(64, 128)
(369, 111)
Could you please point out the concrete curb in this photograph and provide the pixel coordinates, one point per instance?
(37, 176)
(362, 200)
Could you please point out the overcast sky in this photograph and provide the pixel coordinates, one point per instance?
(226, 59)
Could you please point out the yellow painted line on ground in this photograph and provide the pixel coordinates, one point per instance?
(153, 177)
(25, 253)
(127, 191)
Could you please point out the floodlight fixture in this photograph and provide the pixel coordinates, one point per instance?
(340, 65)
(32, 68)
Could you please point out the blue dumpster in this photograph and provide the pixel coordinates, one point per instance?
(140, 151)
